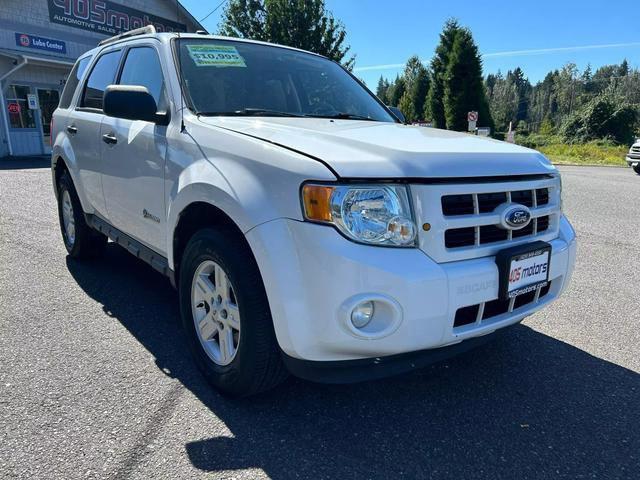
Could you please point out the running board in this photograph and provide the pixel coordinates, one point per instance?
(137, 249)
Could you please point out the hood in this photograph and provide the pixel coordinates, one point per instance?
(363, 149)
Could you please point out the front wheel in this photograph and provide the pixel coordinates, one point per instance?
(226, 316)
(636, 168)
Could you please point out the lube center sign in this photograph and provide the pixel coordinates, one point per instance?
(106, 17)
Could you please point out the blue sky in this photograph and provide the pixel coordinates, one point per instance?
(539, 36)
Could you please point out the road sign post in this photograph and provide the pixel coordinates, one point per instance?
(472, 118)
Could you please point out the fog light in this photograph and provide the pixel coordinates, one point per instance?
(362, 314)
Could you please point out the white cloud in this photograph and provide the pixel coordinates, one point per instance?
(513, 53)
(542, 51)
(388, 66)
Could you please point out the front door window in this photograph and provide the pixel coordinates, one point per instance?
(48, 102)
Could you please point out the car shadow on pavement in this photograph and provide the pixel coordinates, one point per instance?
(524, 406)
(25, 163)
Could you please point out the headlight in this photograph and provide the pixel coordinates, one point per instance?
(373, 214)
(559, 178)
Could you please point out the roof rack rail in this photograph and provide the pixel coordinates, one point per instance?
(130, 33)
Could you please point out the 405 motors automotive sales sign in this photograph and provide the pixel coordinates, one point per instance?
(106, 17)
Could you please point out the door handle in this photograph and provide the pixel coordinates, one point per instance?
(109, 138)
(72, 129)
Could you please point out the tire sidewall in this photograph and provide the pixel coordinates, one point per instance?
(215, 245)
(65, 185)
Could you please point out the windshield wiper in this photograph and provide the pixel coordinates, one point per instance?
(345, 116)
(249, 112)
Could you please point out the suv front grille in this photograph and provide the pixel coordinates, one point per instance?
(483, 203)
(461, 221)
(453, 205)
(485, 311)
(466, 237)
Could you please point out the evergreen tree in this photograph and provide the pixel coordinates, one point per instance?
(305, 24)
(407, 107)
(417, 85)
(396, 92)
(434, 108)
(463, 86)
(623, 70)
(382, 89)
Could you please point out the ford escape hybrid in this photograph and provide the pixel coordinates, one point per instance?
(306, 228)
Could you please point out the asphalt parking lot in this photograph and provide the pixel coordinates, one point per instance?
(96, 381)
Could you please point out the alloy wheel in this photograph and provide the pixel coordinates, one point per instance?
(215, 312)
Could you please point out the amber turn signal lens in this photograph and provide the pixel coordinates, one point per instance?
(317, 202)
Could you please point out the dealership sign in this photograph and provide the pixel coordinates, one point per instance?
(40, 43)
(106, 17)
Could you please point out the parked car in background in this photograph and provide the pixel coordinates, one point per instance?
(633, 157)
(306, 229)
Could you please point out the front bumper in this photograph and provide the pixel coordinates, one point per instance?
(633, 161)
(313, 275)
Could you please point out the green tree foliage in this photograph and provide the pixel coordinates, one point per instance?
(382, 90)
(434, 105)
(396, 91)
(305, 24)
(581, 106)
(464, 89)
(407, 107)
(606, 116)
(546, 127)
(417, 85)
(509, 98)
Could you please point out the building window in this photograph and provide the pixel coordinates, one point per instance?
(20, 116)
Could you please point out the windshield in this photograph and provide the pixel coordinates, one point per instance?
(224, 77)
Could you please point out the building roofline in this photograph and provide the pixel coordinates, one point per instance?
(187, 14)
(36, 57)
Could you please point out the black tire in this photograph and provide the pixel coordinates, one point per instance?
(637, 168)
(257, 365)
(86, 242)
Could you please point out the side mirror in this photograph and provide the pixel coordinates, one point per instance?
(133, 102)
(396, 111)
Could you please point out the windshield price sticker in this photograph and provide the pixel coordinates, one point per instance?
(215, 56)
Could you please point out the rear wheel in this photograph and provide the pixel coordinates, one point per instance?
(636, 168)
(80, 240)
(226, 316)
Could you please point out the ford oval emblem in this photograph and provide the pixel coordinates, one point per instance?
(516, 217)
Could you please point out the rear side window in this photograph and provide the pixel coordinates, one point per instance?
(102, 75)
(72, 81)
(142, 67)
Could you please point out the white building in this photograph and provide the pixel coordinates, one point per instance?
(39, 42)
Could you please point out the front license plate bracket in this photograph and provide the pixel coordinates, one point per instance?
(517, 264)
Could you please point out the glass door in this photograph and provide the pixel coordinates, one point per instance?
(48, 102)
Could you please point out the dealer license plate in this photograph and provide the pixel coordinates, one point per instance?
(523, 268)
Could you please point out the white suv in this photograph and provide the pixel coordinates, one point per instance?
(306, 228)
(633, 157)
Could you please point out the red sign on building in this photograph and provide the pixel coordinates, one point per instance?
(14, 108)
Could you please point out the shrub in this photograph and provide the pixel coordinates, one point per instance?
(602, 117)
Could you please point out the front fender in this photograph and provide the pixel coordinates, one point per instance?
(244, 194)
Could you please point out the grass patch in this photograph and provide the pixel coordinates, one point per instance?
(597, 152)
(592, 153)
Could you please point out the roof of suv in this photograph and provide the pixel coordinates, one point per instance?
(165, 36)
